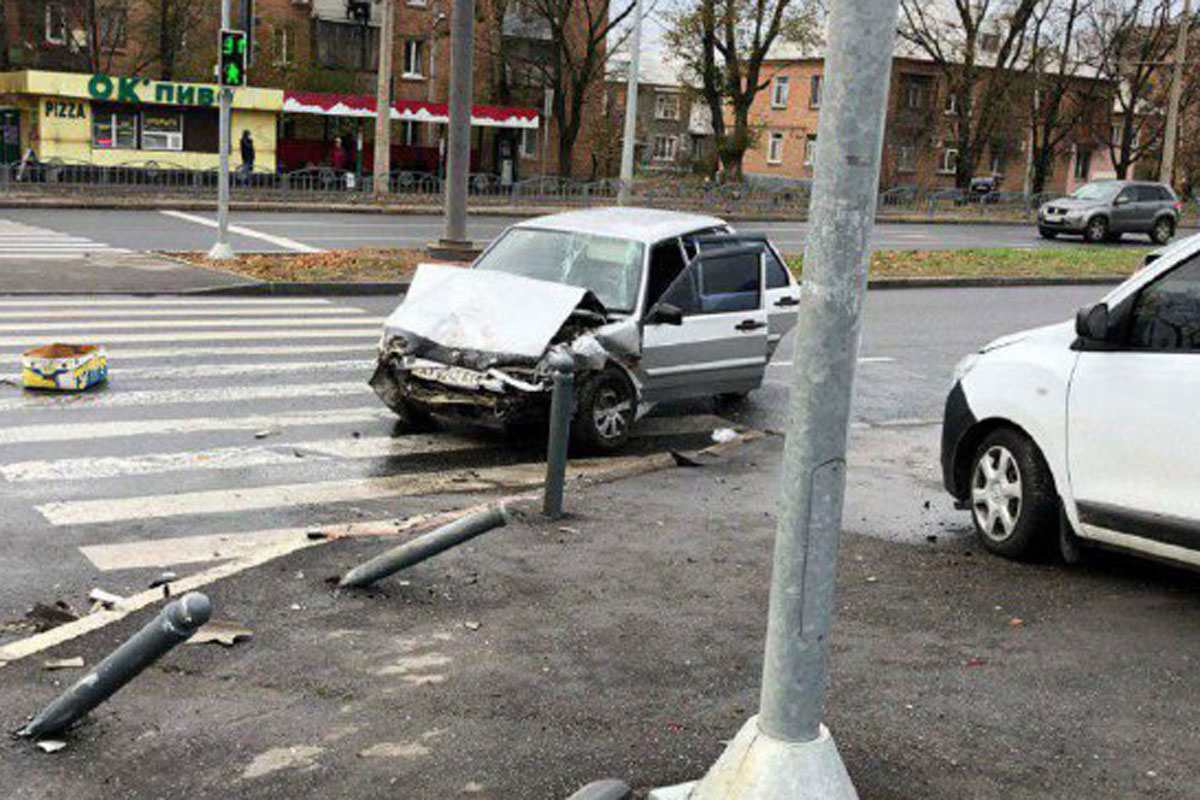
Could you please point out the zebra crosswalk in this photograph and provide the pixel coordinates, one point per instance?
(226, 424)
(20, 241)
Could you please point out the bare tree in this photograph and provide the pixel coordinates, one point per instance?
(1063, 89)
(723, 44)
(562, 46)
(1133, 39)
(981, 49)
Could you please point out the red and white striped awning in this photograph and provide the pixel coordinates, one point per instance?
(363, 105)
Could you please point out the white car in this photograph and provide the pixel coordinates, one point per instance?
(647, 305)
(1087, 431)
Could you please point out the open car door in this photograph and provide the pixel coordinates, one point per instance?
(781, 290)
(708, 332)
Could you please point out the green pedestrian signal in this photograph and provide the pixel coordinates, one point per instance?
(232, 69)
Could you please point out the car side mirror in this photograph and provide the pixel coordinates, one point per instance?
(1092, 323)
(665, 314)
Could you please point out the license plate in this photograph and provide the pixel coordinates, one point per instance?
(450, 376)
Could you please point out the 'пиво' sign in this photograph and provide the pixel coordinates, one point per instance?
(144, 90)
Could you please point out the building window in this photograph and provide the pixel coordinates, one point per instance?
(414, 51)
(810, 150)
(779, 92)
(665, 148)
(998, 160)
(916, 92)
(989, 42)
(666, 105)
(775, 148)
(949, 163)
(417, 3)
(162, 130)
(906, 158)
(281, 47)
(951, 103)
(529, 143)
(815, 84)
(112, 27)
(1083, 162)
(114, 130)
(410, 133)
(56, 24)
(343, 45)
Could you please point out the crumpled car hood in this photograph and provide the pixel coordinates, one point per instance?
(480, 317)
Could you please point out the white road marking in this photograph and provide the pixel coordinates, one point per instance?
(30, 242)
(278, 241)
(201, 311)
(194, 355)
(168, 325)
(218, 394)
(519, 476)
(371, 334)
(164, 302)
(88, 431)
(225, 370)
(222, 458)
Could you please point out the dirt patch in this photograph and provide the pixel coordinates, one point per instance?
(358, 265)
(1080, 261)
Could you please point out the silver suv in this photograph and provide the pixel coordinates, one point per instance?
(1104, 210)
(646, 305)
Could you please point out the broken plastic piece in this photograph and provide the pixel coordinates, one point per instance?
(723, 435)
(265, 432)
(63, 663)
(106, 600)
(51, 745)
(226, 634)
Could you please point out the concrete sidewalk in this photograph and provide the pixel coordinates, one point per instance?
(626, 641)
(112, 273)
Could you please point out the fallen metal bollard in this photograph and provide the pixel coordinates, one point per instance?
(604, 790)
(173, 625)
(561, 403)
(423, 547)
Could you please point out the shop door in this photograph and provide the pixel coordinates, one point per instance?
(10, 136)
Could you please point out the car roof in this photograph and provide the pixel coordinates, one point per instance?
(647, 225)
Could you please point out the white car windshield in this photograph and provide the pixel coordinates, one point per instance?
(608, 266)
(1096, 191)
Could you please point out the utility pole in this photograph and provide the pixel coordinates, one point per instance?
(631, 103)
(383, 101)
(458, 158)
(785, 753)
(1166, 172)
(222, 250)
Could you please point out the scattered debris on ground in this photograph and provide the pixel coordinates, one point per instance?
(46, 616)
(108, 601)
(53, 664)
(226, 634)
(51, 745)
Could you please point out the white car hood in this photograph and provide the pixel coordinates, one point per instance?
(1059, 330)
(483, 311)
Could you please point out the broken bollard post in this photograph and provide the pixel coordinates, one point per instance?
(173, 625)
(423, 547)
(561, 403)
(604, 790)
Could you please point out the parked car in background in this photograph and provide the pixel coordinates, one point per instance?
(649, 306)
(1106, 210)
(1085, 431)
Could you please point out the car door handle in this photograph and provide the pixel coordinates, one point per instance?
(750, 325)
(787, 301)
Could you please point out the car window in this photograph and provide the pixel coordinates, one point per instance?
(777, 277)
(1166, 314)
(1128, 195)
(608, 266)
(666, 263)
(718, 283)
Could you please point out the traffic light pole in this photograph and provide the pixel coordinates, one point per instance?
(222, 250)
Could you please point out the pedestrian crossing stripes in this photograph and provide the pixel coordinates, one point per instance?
(30, 242)
(234, 413)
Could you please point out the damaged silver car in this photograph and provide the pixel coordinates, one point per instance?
(650, 305)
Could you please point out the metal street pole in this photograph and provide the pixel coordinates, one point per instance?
(1166, 172)
(785, 753)
(631, 104)
(222, 250)
(458, 159)
(383, 101)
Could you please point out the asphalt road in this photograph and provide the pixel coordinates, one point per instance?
(281, 232)
(163, 468)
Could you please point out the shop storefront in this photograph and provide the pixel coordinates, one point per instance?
(114, 121)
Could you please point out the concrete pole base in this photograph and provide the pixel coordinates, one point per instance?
(758, 767)
(221, 251)
(453, 252)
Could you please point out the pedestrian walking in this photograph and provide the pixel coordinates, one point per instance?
(247, 148)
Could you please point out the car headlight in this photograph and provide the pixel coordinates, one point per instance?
(965, 365)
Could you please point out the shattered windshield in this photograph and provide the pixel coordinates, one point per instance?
(610, 267)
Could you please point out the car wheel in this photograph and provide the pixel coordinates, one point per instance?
(1013, 501)
(1096, 230)
(1047, 233)
(605, 412)
(1163, 230)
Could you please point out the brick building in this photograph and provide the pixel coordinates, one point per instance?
(920, 147)
(320, 55)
